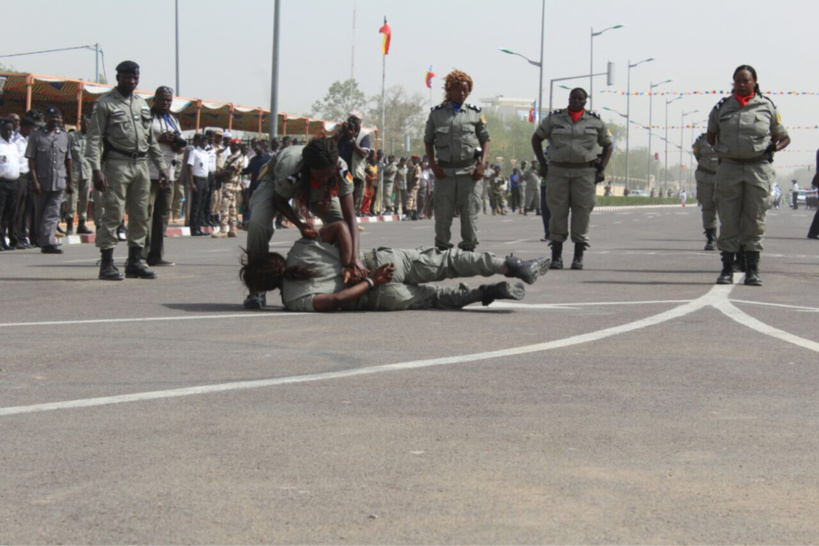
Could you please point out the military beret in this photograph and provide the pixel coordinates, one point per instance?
(53, 111)
(127, 66)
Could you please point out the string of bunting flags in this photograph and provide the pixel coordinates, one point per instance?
(714, 92)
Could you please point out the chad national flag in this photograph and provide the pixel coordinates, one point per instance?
(386, 30)
(429, 76)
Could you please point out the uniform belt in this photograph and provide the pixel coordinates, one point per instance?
(457, 164)
(130, 155)
(759, 159)
(572, 165)
(703, 169)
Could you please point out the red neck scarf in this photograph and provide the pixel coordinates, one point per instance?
(744, 100)
(576, 115)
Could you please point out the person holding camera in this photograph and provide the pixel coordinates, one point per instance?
(167, 132)
(354, 147)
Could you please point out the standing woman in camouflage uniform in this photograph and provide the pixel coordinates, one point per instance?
(576, 136)
(705, 174)
(745, 130)
(455, 135)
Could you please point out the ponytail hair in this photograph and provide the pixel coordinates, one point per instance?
(750, 69)
(265, 271)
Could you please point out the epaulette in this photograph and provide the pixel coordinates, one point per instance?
(766, 97)
(438, 107)
(593, 113)
(721, 102)
(553, 112)
(473, 107)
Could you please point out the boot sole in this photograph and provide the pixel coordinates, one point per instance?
(723, 281)
(509, 291)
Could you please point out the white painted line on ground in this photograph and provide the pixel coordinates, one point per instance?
(510, 305)
(152, 319)
(795, 307)
(746, 320)
(516, 242)
(715, 295)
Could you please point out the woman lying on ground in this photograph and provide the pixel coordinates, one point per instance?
(315, 274)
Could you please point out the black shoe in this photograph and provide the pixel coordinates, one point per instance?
(82, 230)
(69, 226)
(726, 276)
(255, 301)
(752, 277)
(501, 291)
(135, 267)
(529, 270)
(60, 230)
(711, 239)
(160, 263)
(577, 261)
(739, 262)
(557, 255)
(50, 249)
(108, 272)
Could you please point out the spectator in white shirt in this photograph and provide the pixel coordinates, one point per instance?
(198, 160)
(9, 174)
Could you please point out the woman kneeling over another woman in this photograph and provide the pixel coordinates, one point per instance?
(316, 276)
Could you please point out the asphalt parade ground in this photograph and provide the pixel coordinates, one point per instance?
(632, 402)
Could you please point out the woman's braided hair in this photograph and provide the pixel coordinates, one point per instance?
(319, 153)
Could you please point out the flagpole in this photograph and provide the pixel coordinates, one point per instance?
(383, 93)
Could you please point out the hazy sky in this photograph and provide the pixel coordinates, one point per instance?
(226, 49)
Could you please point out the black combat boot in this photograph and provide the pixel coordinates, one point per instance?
(108, 272)
(135, 267)
(69, 225)
(81, 229)
(752, 277)
(557, 255)
(577, 261)
(711, 239)
(739, 261)
(726, 276)
(501, 291)
(526, 270)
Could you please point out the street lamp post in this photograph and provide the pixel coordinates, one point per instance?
(665, 173)
(651, 119)
(682, 131)
(591, 61)
(536, 63)
(628, 108)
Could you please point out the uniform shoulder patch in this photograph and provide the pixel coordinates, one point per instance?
(473, 107)
(558, 111)
(721, 102)
(593, 113)
(438, 107)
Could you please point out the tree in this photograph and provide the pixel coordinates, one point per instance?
(341, 98)
(404, 115)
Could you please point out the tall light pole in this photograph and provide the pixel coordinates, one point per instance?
(176, 3)
(665, 173)
(628, 108)
(651, 87)
(591, 60)
(682, 131)
(274, 77)
(539, 64)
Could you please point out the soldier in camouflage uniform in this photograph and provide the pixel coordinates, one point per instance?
(706, 172)
(576, 136)
(745, 130)
(82, 175)
(497, 193)
(457, 144)
(230, 176)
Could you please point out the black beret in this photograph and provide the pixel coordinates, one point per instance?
(53, 111)
(127, 66)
